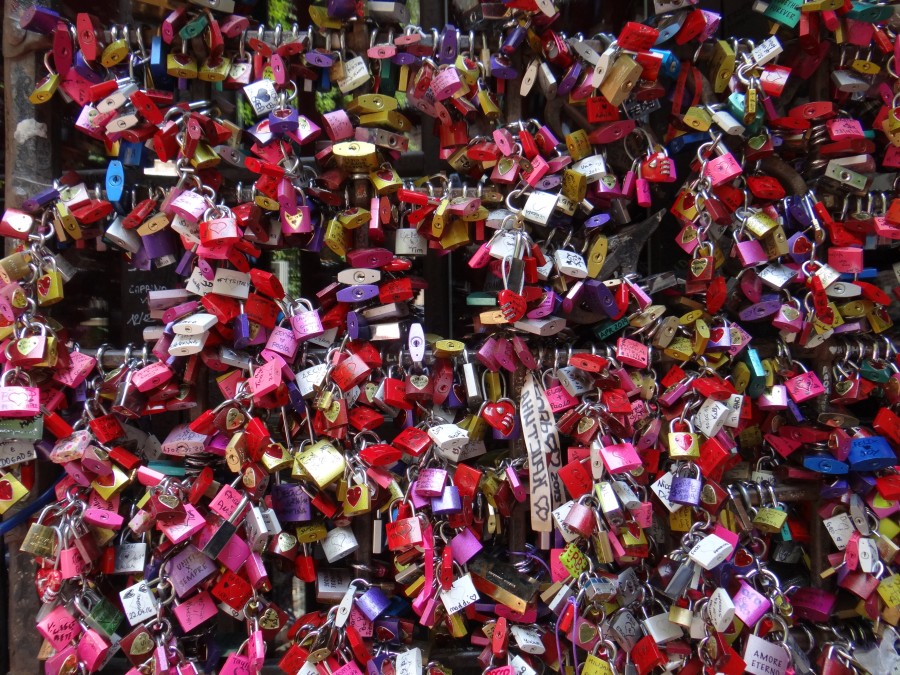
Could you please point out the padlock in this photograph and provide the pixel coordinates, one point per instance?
(686, 490)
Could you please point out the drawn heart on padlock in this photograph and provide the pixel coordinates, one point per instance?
(501, 416)
(17, 398)
(717, 334)
(269, 619)
(512, 305)
(142, 644)
(354, 494)
(6, 490)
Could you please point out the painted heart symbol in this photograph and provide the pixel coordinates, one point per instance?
(684, 441)
(43, 285)
(698, 266)
(586, 632)
(234, 419)
(354, 494)
(717, 334)
(6, 490)
(512, 305)
(801, 245)
(500, 415)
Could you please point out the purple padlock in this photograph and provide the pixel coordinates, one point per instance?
(569, 79)
(359, 293)
(283, 120)
(357, 327)
(449, 45)
(372, 603)
(546, 306)
(501, 68)
(465, 546)
(447, 503)
(158, 244)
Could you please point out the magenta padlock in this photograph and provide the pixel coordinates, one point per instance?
(306, 324)
(841, 128)
(625, 382)
(804, 386)
(580, 517)
(520, 345)
(465, 546)
(59, 627)
(337, 125)
(505, 355)
(66, 660)
(373, 603)
(750, 252)
(642, 193)
(632, 353)
(71, 564)
(256, 571)
(448, 503)
(195, 610)
(773, 398)
(539, 168)
(545, 140)
(485, 355)
(18, 402)
(620, 457)
(237, 664)
(430, 482)
(282, 341)
(751, 285)
(93, 649)
(750, 605)
(546, 306)
(417, 500)
(234, 554)
(560, 399)
(445, 83)
(722, 169)
(789, 317)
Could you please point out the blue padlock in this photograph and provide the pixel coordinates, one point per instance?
(825, 464)
(871, 454)
(115, 181)
(671, 66)
(131, 154)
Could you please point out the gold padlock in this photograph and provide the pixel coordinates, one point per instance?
(385, 180)
(622, 77)
(337, 239)
(322, 462)
(455, 235)
(65, 223)
(181, 65)
(214, 71)
(355, 156)
(15, 266)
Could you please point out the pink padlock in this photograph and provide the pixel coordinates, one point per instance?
(446, 83)
(465, 546)
(560, 399)
(93, 649)
(306, 324)
(619, 457)
(189, 205)
(430, 482)
(265, 379)
(750, 605)
(337, 125)
(846, 259)
(195, 610)
(282, 341)
(804, 386)
(59, 627)
(632, 353)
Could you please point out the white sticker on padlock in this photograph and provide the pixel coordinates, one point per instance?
(356, 74)
(503, 245)
(138, 602)
(409, 662)
(460, 595)
(840, 527)
(710, 417)
(662, 487)
(521, 666)
(711, 551)
(570, 263)
(528, 639)
(448, 436)
(231, 283)
(765, 658)
(766, 51)
(720, 609)
(732, 418)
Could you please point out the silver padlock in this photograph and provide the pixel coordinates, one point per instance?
(408, 241)
(127, 240)
(339, 543)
